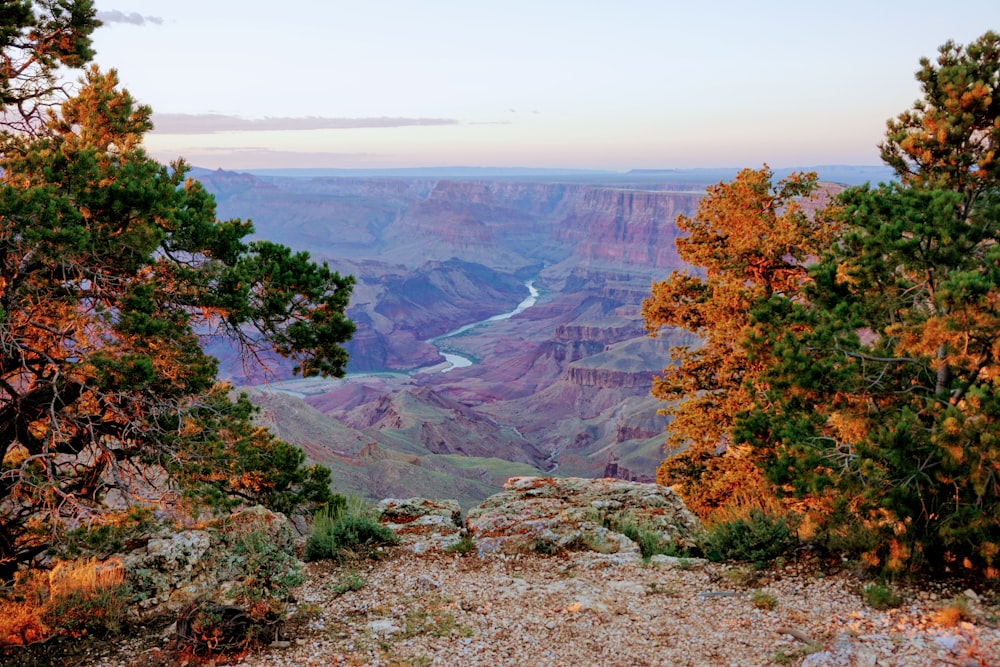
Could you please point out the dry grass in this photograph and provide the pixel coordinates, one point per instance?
(74, 597)
(85, 576)
(953, 613)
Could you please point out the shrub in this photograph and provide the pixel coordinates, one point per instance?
(206, 631)
(351, 581)
(763, 600)
(74, 598)
(545, 547)
(112, 535)
(268, 574)
(759, 537)
(880, 596)
(464, 546)
(354, 530)
(21, 624)
(956, 610)
(87, 597)
(649, 539)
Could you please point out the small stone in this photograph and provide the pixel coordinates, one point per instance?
(383, 627)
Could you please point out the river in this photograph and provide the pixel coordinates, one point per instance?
(303, 387)
(457, 360)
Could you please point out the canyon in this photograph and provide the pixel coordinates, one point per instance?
(561, 386)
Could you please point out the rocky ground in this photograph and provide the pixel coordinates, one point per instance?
(591, 609)
(584, 608)
(540, 579)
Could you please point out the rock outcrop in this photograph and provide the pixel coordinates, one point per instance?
(422, 524)
(545, 513)
(174, 569)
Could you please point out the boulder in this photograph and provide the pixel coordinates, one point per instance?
(173, 570)
(422, 524)
(549, 514)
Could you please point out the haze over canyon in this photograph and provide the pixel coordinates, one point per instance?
(498, 321)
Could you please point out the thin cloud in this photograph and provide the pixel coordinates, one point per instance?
(133, 18)
(211, 123)
(252, 157)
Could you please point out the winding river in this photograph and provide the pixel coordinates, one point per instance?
(308, 386)
(457, 360)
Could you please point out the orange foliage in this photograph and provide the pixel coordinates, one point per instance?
(752, 239)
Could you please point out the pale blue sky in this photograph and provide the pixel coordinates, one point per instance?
(618, 85)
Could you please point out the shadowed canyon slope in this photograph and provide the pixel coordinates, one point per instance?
(560, 386)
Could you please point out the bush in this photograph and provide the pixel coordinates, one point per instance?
(759, 537)
(349, 582)
(111, 536)
(74, 598)
(762, 600)
(649, 539)
(353, 531)
(268, 574)
(880, 596)
(208, 631)
(464, 546)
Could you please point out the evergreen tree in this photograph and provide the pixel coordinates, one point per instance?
(750, 240)
(36, 38)
(113, 268)
(882, 396)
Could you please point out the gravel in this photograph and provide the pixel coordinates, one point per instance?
(583, 608)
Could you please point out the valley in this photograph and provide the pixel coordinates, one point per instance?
(498, 324)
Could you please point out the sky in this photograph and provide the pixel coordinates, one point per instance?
(578, 84)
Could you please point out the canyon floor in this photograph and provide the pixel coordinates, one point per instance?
(587, 609)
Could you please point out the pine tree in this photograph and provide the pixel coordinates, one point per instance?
(882, 393)
(749, 240)
(113, 270)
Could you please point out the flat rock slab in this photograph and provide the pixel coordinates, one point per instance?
(540, 513)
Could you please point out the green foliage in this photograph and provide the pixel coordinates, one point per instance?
(114, 269)
(545, 547)
(432, 619)
(880, 596)
(863, 386)
(351, 532)
(882, 396)
(750, 240)
(230, 461)
(654, 588)
(758, 538)
(763, 600)
(110, 537)
(464, 546)
(349, 582)
(75, 598)
(650, 540)
(948, 140)
(100, 612)
(267, 573)
(36, 38)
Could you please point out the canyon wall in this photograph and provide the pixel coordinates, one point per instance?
(562, 387)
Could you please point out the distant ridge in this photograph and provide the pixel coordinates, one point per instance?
(456, 173)
(836, 173)
(843, 174)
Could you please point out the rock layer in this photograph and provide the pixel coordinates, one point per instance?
(539, 513)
